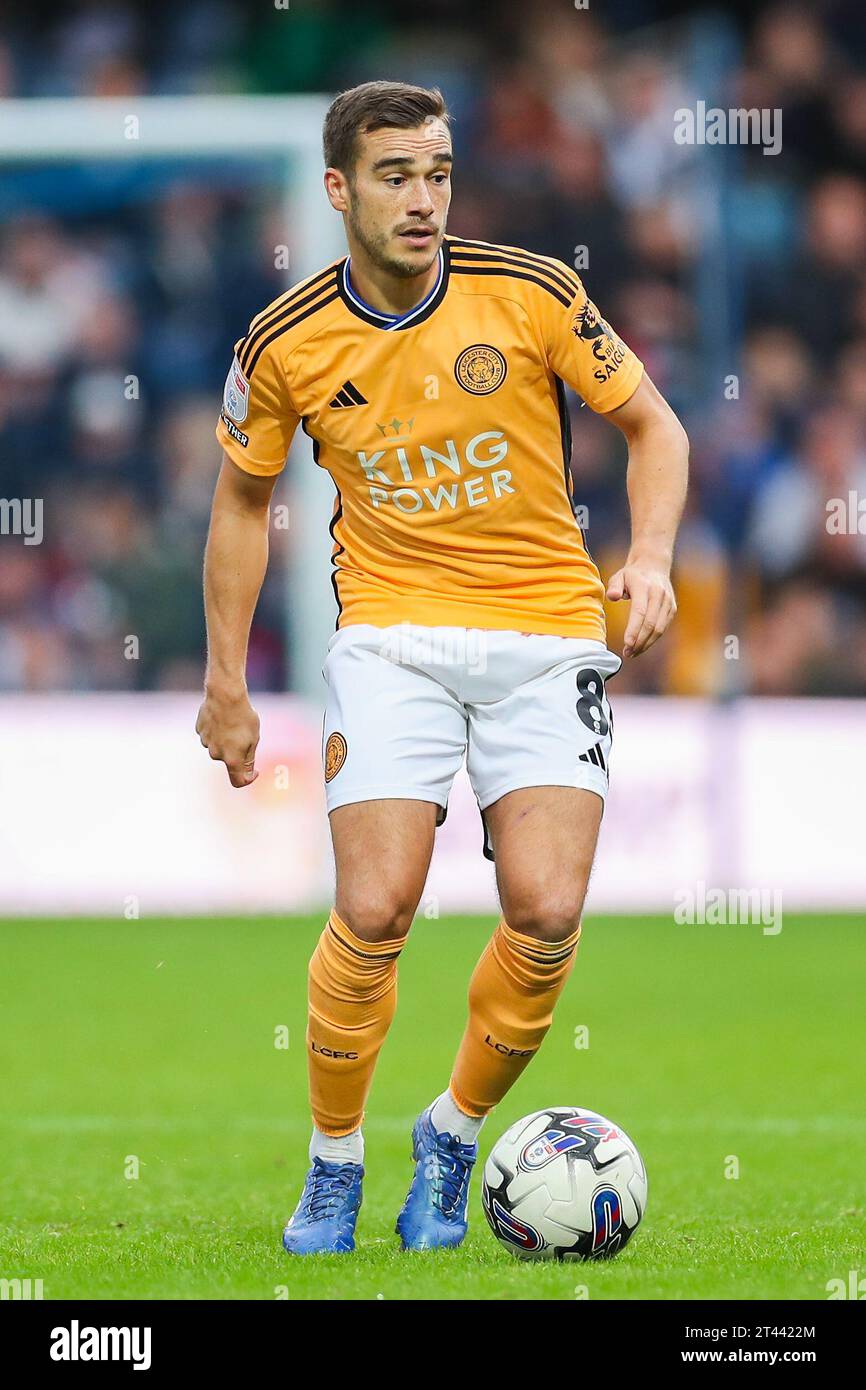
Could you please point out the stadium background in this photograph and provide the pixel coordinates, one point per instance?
(739, 278)
(563, 134)
(153, 1132)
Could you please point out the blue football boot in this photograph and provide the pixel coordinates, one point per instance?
(323, 1222)
(434, 1212)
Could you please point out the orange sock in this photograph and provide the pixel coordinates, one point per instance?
(352, 998)
(512, 994)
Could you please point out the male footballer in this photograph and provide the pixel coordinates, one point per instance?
(429, 371)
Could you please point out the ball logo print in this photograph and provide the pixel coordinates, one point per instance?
(564, 1184)
(555, 1141)
(606, 1221)
(480, 369)
(592, 1125)
(544, 1150)
(510, 1230)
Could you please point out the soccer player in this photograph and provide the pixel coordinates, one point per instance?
(428, 372)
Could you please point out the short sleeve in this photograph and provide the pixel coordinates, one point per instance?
(587, 353)
(257, 422)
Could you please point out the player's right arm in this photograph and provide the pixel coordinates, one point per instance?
(236, 558)
(255, 430)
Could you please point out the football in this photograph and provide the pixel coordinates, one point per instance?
(564, 1184)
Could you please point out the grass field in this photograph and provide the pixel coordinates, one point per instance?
(155, 1040)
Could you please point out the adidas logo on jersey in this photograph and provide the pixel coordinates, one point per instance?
(347, 395)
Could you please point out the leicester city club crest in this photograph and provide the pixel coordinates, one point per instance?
(480, 369)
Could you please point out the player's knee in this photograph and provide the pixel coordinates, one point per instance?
(546, 917)
(383, 915)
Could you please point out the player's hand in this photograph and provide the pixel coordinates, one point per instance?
(228, 727)
(653, 605)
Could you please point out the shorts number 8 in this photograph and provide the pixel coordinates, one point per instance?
(590, 687)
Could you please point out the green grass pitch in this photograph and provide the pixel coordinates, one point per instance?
(154, 1040)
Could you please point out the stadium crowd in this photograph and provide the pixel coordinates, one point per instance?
(121, 294)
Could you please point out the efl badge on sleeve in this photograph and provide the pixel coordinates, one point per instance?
(236, 395)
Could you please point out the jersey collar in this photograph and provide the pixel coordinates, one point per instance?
(390, 323)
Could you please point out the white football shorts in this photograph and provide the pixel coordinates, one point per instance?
(406, 704)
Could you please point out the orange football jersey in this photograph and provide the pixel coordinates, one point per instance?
(446, 433)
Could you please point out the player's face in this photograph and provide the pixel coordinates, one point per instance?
(396, 202)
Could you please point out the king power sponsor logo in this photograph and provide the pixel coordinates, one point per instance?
(406, 478)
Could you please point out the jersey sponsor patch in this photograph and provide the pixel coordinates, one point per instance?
(243, 439)
(588, 323)
(236, 394)
(480, 369)
(608, 350)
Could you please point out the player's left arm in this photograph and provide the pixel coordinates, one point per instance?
(658, 455)
(583, 349)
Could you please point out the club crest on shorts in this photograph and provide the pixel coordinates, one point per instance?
(236, 394)
(335, 755)
(480, 369)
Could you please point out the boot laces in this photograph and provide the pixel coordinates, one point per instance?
(327, 1189)
(452, 1167)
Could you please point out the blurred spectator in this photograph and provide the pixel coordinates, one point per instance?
(120, 314)
(789, 531)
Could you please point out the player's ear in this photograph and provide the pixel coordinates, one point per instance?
(336, 186)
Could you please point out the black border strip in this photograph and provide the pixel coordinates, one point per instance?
(519, 260)
(302, 294)
(284, 328)
(510, 274)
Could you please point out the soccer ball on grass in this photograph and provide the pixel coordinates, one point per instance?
(563, 1184)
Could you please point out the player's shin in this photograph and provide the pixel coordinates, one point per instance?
(352, 998)
(512, 995)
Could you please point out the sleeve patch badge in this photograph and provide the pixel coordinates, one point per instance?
(242, 439)
(335, 755)
(236, 394)
(608, 350)
(588, 323)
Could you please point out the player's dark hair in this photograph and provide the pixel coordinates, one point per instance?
(371, 106)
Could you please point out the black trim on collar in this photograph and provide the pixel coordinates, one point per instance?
(428, 309)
